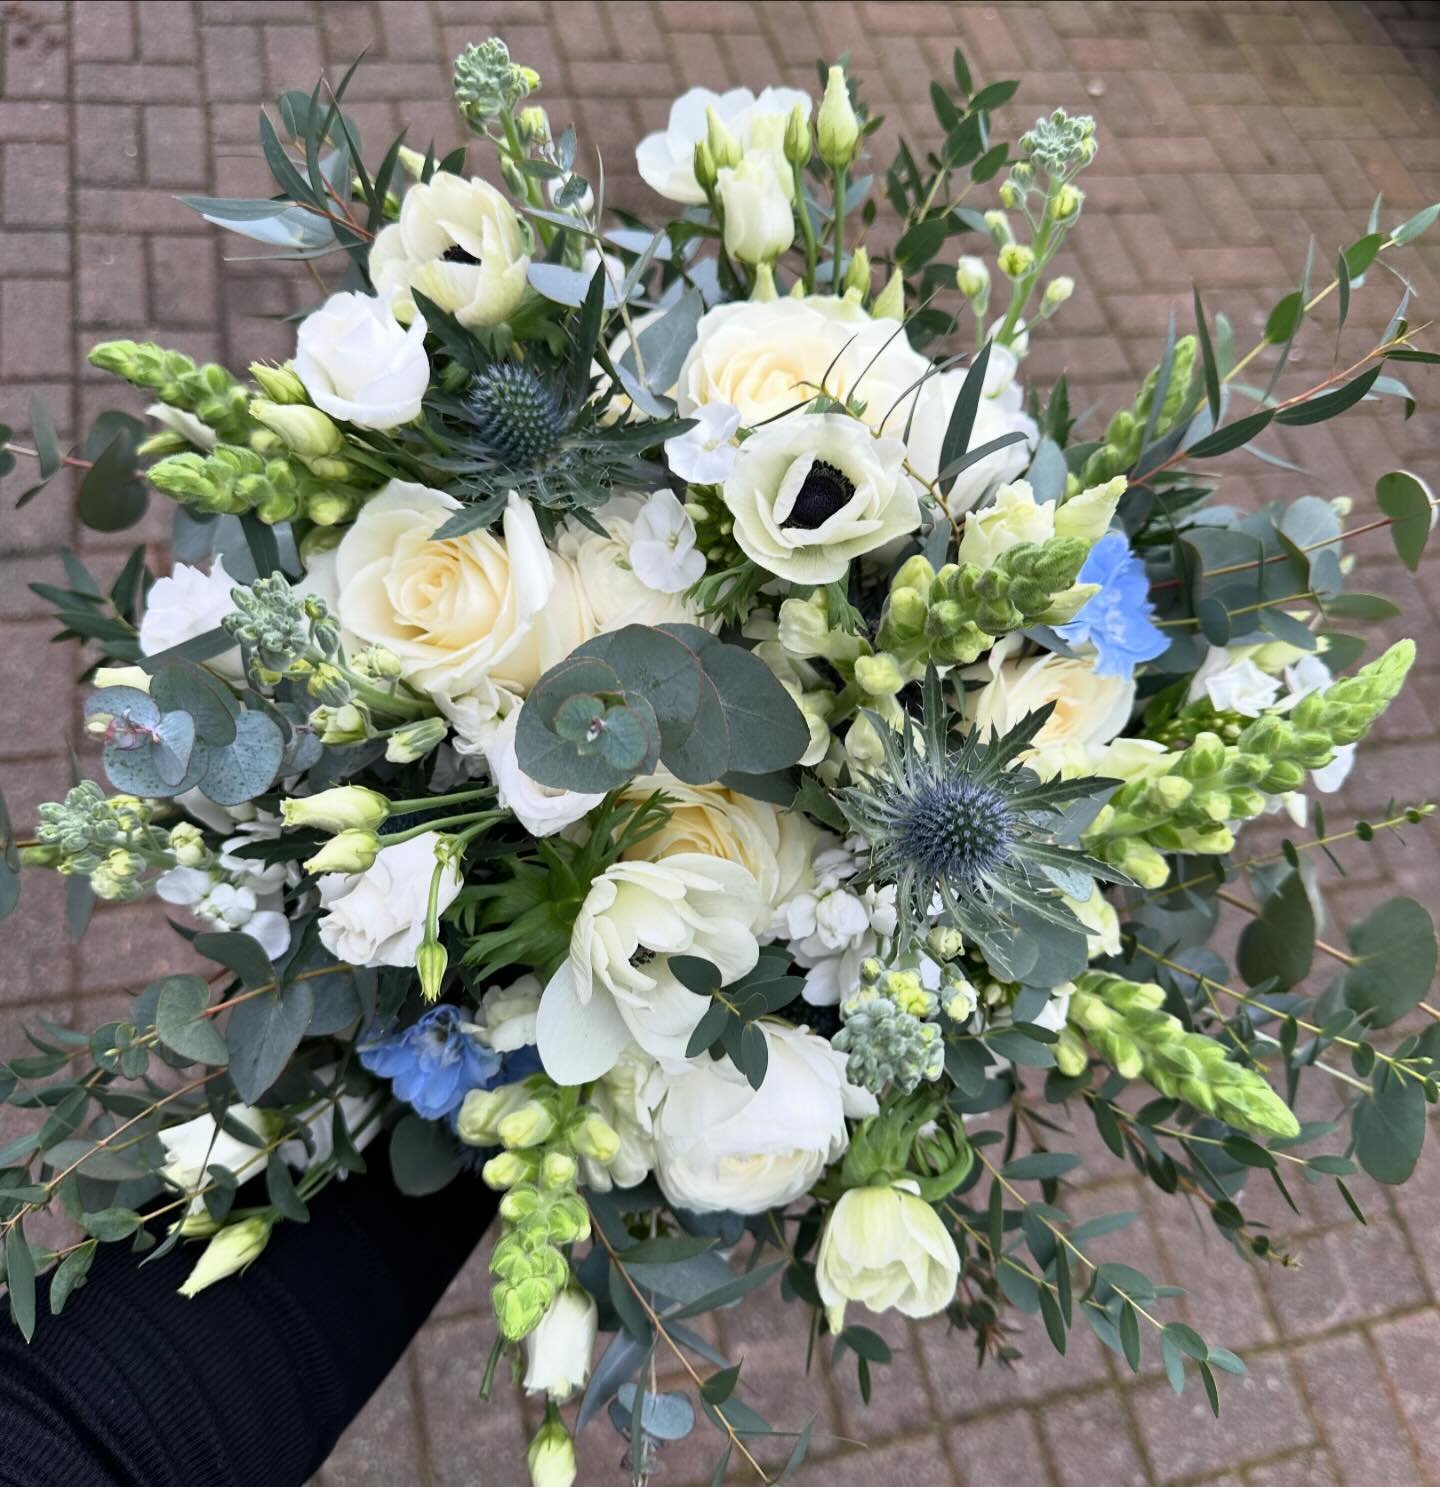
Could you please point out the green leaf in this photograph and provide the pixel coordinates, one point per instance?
(42, 432)
(666, 1250)
(181, 1024)
(20, 1278)
(111, 1224)
(1328, 405)
(1389, 1129)
(1040, 1165)
(239, 953)
(1280, 941)
(1414, 226)
(1361, 253)
(1130, 1336)
(111, 495)
(183, 686)
(280, 1188)
(1361, 607)
(1285, 318)
(1397, 950)
(69, 1276)
(962, 417)
(730, 1292)
(767, 731)
(247, 767)
(1232, 436)
(1207, 357)
(263, 1033)
(1406, 502)
(424, 1156)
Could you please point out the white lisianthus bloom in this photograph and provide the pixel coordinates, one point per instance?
(662, 545)
(764, 358)
(705, 455)
(194, 1146)
(756, 199)
(377, 918)
(479, 616)
(626, 1098)
(719, 1144)
(613, 589)
(358, 365)
(540, 809)
(559, 1350)
(1016, 516)
(187, 604)
(1090, 710)
(460, 244)
(666, 159)
(615, 987)
(809, 494)
(886, 1248)
(775, 846)
(1233, 685)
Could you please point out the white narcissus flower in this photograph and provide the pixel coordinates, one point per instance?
(187, 604)
(768, 359)
(460, 244)
(886, 1248)
(358, 365)
(705, 455)
(377, 918)
(809, 494)
(719, 1144)
(756, 199)
(615, 987)
(662, 545)
(1233, 685)
(541, 810)
(479, 615)
(666, 159)
(558, 1352)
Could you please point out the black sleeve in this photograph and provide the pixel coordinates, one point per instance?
(251, 1383)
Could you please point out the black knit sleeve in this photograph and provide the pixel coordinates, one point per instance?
(251, 1383)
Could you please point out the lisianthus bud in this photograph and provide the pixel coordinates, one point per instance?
(307, 431)
(890, 302)
(763, 290)
(838, 128)
(551, 1457)
(279, 384)
(344, 808)
(1016, 260)
(430, 962)
(233, 1248)
(857, 275)
(724, 147)
(415, 740)
(706, 171)
(759, 221)
(797, 136)
(349, 852)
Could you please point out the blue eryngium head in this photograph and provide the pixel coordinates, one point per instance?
(968, 826)
(516, 414)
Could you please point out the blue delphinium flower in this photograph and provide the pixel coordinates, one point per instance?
(435, 1062)
(1116, 621)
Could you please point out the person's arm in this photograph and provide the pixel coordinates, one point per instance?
(251, 1383)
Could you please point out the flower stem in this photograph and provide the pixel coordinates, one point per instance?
(837, 269)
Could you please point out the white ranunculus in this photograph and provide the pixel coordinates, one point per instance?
(1016, 516)
(759, 219)
(662, 545)
(1090, 710)
(809, 494)
(194, 1146)
(475, 616)
(460, 244)
(358, 365)
(377, 918)
(540, 809)
(666, 159)
(559, 1350)
(719, 1144)
(765, 358)
(615, 987)
(705, 455)
(775, 846)
(625, 1097)
(185, 605)
(886, 1248)
(613, 590)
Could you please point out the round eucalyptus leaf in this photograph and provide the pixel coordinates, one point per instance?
(246, 768)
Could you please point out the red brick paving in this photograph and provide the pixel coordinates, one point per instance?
(1229, 133)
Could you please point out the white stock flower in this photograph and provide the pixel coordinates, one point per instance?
(615, 986)
(764, 358)
(755, 196)
(358, 365)
(614, 590)
(508, 1015)
(832, 927)
(809, 494)
(886, 1248)
(559, 1350)
(187, 604)
(1329, 777)
(625, 1097)
(719, 1144)
(662, 545)
(225, 906)
(540, 809)
(666, 159)
(478, 615)
(460, 244)
(1233, 685)
(705, 455)
(377, 918)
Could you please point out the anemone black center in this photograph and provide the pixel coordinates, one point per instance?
(456, 254)
(955, 829)
(642, 956)
(824, 492)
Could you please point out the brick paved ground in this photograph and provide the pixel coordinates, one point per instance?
(1230, 132)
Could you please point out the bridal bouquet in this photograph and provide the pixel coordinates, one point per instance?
(666, 723)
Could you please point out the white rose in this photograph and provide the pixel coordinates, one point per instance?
(559, 1350)
(615, 986)
(776, 847)
(764, 358)
(541, 810)
(759, 220)
(1089, 710)
(377, 918)
(886, 1248)
(475, 615)
(357, 364)
(187, 604)
(809, 494)
(460, 244)
(666, 159)
(614, 591)
(721, 1145)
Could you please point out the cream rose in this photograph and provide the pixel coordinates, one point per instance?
(809, 494)
(460, 244)
(1089, 711)
(765, 358)
(357, 364)
(473, 616)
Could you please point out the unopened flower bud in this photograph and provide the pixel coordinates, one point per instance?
(890, 302)
(328, 508)
(415, 740)
(349, 852)
(837, 128)
(558, 1170)
(763, 290)
(596, 1138)
(1016, 260)
(1068, 201)
(1011, 195)
(972, 278)
(187, 844)
(340, 725)
(307, 431)
(878, 675)
(857, 274)
(343, 808)
(945, 942)
(1057, 291)
(797, 136)
(279, 384)
(706, 171)
(527, 1125)
(724, 147)
(997, 224)
(234, 1248)
(534, 124)
(505, 1169)
(431, 960)
(551, 1456)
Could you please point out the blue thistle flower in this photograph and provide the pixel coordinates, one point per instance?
(1116, 621)
(515, 414)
